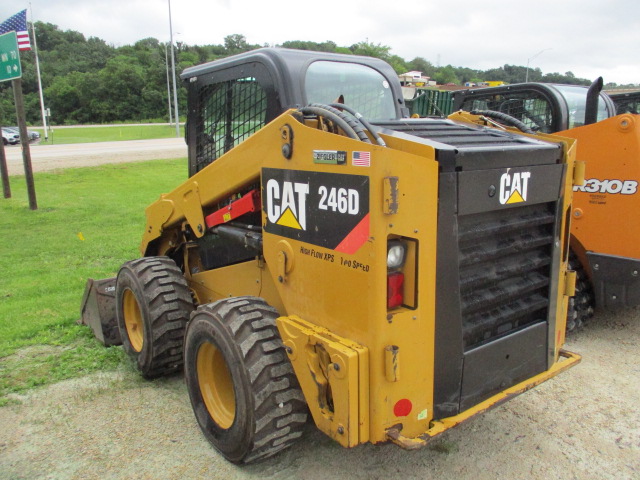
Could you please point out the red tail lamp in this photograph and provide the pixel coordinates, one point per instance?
(394, 289)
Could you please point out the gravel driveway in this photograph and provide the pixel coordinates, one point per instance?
(583, 424)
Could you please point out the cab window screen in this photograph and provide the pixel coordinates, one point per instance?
(230, 112)
(530, 107)
(627, 103)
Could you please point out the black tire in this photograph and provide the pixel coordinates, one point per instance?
(153, 304)
(243, 391)
(581, 305)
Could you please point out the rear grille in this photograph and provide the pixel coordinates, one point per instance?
(505, 268)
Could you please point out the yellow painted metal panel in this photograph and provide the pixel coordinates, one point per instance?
(332, 380)
(346, 293)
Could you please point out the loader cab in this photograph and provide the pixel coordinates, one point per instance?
(231, 99)
(545, 108)
(626, 102)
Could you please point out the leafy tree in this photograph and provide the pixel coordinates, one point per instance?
(327, 46)
(236, 43)
(398, 64)
(568, 78)
(419, 64)
(86, 80)
(446, 75)
(371, 50)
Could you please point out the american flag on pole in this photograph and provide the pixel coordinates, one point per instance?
(18, 24)
(361, 159)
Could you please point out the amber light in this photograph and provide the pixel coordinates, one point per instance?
(394, 289)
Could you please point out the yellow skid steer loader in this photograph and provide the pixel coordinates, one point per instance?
(392, 277)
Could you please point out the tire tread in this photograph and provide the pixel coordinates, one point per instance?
(280, 411)
(169, 303)
(581, 305)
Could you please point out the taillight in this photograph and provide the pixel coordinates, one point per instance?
(395, 281)
(396, 253)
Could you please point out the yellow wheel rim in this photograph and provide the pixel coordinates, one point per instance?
(133, 320)
(216, 385)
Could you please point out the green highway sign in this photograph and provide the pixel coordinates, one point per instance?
(10, 67)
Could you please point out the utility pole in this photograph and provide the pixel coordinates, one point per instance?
(166, 64)
(173, 72)
(24, 140)
(12, 70)
(4, 173)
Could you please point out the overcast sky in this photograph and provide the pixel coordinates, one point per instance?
(587, 37)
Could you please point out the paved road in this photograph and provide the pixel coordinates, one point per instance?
(52, 157)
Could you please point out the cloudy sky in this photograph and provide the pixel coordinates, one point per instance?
(587, 37)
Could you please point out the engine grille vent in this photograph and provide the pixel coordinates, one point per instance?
(505, 268)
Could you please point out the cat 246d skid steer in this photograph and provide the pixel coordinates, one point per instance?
(392, 277)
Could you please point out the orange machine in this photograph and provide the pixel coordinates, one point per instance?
(605, 227)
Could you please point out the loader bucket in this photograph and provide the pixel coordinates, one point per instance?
(98, 310)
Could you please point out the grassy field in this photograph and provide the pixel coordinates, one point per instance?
(89, 221)
(107, 133)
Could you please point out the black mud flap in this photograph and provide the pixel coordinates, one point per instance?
(98, 310)
(616, 281)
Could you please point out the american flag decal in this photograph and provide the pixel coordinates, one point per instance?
(18, 23)
(361, 159)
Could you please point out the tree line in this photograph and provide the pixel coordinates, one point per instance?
(86, 80)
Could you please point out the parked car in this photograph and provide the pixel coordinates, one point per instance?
(10, 137)
(33, 136)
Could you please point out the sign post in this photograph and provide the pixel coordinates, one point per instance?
(11, 69)
(4, 172)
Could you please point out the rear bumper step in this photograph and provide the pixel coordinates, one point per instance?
(568, 360)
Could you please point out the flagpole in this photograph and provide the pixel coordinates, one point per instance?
(35, 50)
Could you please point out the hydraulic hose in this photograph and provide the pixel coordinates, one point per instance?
(353, 123)
(503, 117)
(323, 112)
(365, 123)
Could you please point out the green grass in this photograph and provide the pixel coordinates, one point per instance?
(89, 221)
(107, 134)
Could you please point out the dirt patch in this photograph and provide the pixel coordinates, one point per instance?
(583, 424)
(31, 353)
